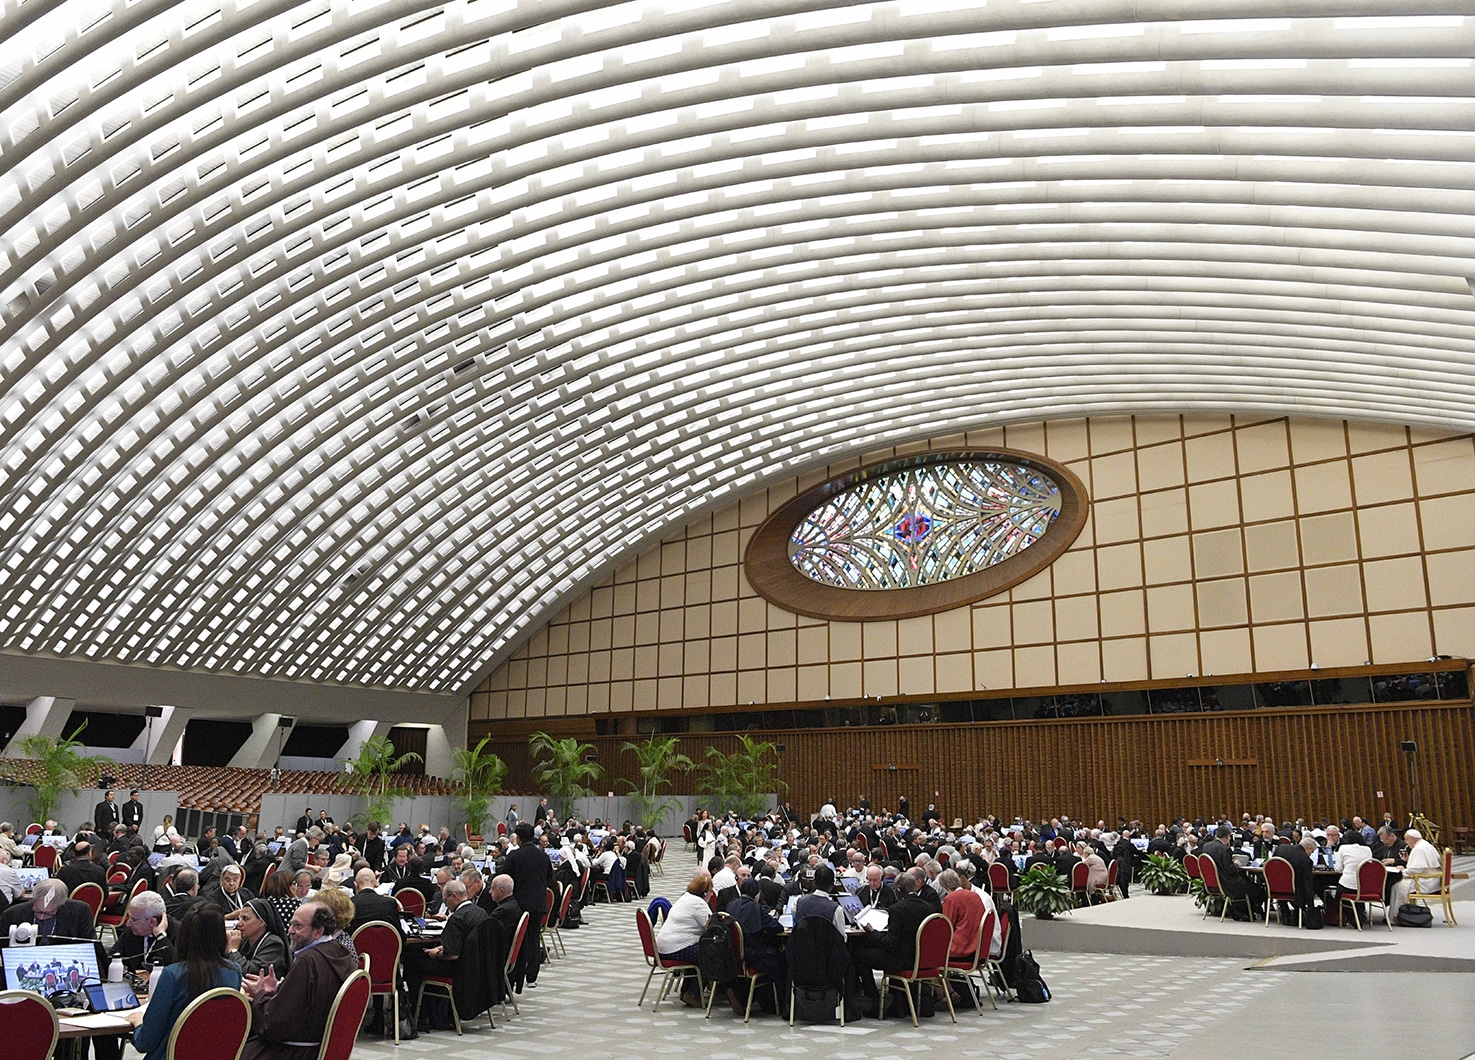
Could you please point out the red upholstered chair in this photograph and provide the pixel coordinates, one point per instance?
(267, 874)
(381, 943)
(91, 895)
(1113, 892)
(501, 828)
(995, 964)
(965, 968)
(563, 908)
(672, 971)
(118, 876)
(411, 901)
(519, 938)
(546, 923)
(212, 1027)
(34, 829)
(113, 920)
(1280, 885)
(45, 857)
(934, 939)
(1210, 873)
(1444, 879)
(998, 878)
(1190, 866)
(30, 1025)
(1080, 876)
(688, 837)
(345, 1017)
(1371, 878)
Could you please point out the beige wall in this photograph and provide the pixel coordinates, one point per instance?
(1216, 545)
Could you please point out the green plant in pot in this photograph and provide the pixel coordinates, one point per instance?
(1044, 892)
(1162, 875)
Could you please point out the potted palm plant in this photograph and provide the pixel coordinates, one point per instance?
(1044, 892)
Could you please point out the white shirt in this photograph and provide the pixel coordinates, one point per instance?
(684, 924)
(1425, 858)
(11, 885)
(723, 878)
(995, 947)
(1350, 858)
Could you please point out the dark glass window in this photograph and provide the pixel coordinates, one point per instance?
(1078, 705)
(1116, 704)
(1341, 690)
(1036, 707)
(1228, 697)
(1283, 694)
(994, 710)
(1454, 684)
(1174, 700)
(1404, 688)
(956, 712)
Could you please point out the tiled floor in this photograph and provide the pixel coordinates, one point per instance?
(1104, 1006)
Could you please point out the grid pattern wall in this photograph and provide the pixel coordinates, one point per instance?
(1215, 545)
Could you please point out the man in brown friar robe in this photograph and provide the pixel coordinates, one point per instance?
(289, 1018)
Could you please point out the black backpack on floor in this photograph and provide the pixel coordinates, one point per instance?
(715, 956)
(1412, 915)
(1029, 985)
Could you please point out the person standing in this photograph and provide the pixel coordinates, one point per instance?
(106, 814)
(132, 813)
(532, 878)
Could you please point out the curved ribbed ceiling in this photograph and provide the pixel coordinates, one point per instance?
(342, 340)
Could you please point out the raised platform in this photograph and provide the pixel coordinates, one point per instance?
(1173, 927)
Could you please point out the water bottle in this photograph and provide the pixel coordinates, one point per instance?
(115, 970)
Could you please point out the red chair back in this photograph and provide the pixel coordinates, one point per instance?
(1448, 869)
(1280, 879)
(1210, 873)
(45, 857)
(1111, 873)
(30, 1025)
(942, 858)
(1003, 936)
(552, 904)
(934, 939)
(985, 938)
(411, 901)
(1080, 873)
(113, 858)
(212, 1027)
(501, 828)
(91, 895)
(267, 874)
(118, 876)
(647, 936)
(34, 829)
(1190, 866)
(862, 842)
(998, 877)
(1371, 877)
(568, 899)
(516, 947)
(381, 942)
(686, 834)
(345, 1017)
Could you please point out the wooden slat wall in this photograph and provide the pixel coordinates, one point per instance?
(1311, 764)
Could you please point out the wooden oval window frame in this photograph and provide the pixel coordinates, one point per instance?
(771, 574)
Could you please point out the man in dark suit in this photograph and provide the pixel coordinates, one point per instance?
(896, 947)
(505, 912)
(83, 868)
(133, 812)
(106, 814)
(1299, 855)
(228, 893)
(532, 878)
(305, 821)
(53, 913)
(181, 892)
(1233, 880)
(373, 850)
(464, 917)
(369, 904)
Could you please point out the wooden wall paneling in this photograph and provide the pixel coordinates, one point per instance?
(1311, 763)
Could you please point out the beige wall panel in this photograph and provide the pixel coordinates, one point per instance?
(1445, 467)
(1262, 447)
(1166, 560)
(1323, 487)
(1267, 496)
(1225, 651)
(1388, 530)
(1280, 647)
(1272, 546)
(1313, 440)
(1160, 466)
(1209, 457)
(1399, 637)
(1192, 558)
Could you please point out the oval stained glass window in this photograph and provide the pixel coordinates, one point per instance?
(916, 535)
